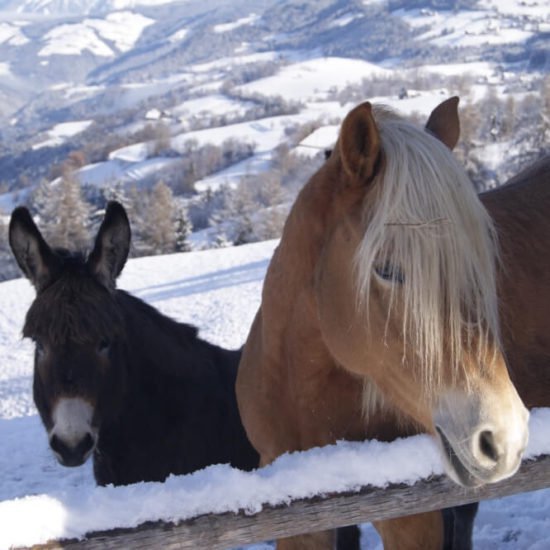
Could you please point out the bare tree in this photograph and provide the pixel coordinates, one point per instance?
(161, 237)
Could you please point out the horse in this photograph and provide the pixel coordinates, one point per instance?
(379, 315)
(520, 210)
(113, 377)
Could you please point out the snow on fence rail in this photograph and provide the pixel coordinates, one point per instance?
(221, 507)
(221, 531)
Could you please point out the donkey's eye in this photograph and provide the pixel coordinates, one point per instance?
(39, 347)
(389, 272)
(104, 346)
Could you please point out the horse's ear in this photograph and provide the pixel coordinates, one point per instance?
(32, 253)
(112, 245)
(359, 143)
(444, 123)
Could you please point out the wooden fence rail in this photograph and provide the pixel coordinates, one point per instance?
(303, 516)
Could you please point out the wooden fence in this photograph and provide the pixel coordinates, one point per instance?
(304, 516)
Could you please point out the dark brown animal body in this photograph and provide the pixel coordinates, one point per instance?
(114, 378)
(521, 211)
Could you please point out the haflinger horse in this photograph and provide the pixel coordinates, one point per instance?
(521, 213)
(116, 379)
(379, 315)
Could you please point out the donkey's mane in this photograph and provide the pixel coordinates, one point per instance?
(423, 217)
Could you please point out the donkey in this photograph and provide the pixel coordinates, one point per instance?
(113, 377)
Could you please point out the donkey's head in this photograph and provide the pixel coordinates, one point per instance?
(78, 330)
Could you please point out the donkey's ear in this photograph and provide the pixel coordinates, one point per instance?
(112, 245)
(35, 258)
(444, 123)
(359, 143)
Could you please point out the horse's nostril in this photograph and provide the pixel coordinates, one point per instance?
(487, 446)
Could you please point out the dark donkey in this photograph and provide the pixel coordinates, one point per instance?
(115, 378)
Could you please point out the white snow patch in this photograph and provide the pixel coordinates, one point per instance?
(73, 40)
(314, 79)
(5, 69)
(178, 36)
(321, 139)
(12, 34)
(226, 27)
(61, 132)
(345, 20)
(122, 29)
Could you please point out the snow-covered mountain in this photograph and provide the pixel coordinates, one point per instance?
(74, 7)
(46, 44)
(135, 89)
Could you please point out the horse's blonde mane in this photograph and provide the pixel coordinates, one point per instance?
(423, 216)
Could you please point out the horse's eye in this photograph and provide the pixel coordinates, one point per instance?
(103, 346)
(390, 273)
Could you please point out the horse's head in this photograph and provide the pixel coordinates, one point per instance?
(77, 329)
(406, 289)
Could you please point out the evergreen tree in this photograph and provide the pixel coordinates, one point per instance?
(183, 230)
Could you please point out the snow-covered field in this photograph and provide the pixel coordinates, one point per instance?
(219, 291)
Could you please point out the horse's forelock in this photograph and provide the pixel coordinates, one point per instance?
(422, 215)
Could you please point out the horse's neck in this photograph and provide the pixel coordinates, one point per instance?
(520, 210)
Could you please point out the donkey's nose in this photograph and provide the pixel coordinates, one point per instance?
(72, 455)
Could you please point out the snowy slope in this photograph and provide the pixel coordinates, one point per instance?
(219, 291)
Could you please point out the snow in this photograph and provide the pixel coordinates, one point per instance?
(178, 36)
(345, 20)
(118, 170)
(120, 29)
(210, 105)
(521, 8)
(217, 489)
(74, 40)
(314, 79)
(219, 291)
(128, 4)
(466, 27)
(321, 139)
(61, 132)
(226, 63)
(226, 27)
(12, 35)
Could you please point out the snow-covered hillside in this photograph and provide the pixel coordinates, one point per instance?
(135, 88)
(219, 291)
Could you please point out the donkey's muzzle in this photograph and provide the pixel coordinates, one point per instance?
(72, 455)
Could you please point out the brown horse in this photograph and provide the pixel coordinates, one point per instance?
(520, 209)
(379, 314)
